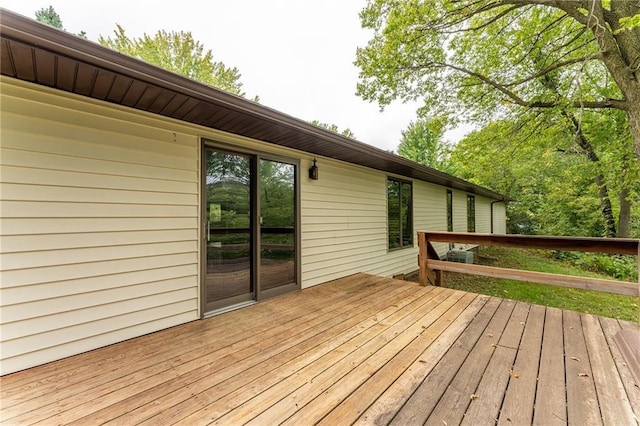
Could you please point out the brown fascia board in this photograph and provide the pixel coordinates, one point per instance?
(19, 28)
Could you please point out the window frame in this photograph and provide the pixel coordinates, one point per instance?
(449, 204)
(403, 226)
(471, 213)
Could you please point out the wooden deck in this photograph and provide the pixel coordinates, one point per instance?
(363, 350)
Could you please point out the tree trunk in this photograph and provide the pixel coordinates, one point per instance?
(624, 218)
(605, 207)
(633, 112)
(603, 190)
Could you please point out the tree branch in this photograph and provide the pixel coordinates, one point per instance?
(486, 23)
(555, 67)
(514, 98)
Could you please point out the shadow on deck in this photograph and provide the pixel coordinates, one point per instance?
(362, 349)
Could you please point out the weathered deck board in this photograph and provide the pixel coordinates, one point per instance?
(485, 406)
(360, 350)
(613, 399)
(519, 399)
(582, 401)
(551, 392)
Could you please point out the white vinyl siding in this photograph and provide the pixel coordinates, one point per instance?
(99, 225)
(99, 228)
(459, 211)
(344, 225)
(499, 218)
(483, 215)
(430, 210)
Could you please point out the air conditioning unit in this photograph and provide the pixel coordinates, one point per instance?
(460, 256)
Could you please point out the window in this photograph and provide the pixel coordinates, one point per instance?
(471, 213)
(449, 210)
(400, 213)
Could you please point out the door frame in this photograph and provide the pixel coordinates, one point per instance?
(255, 156)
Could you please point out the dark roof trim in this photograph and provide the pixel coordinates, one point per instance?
(29, 49)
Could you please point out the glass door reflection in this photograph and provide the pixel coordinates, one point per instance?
(229, 248)
(277, 226)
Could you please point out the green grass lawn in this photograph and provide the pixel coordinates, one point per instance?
(593, 302)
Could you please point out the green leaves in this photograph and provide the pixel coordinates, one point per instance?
(628, 23)
(50, 17)
(177, 52)
(334, 128)
(422, 142)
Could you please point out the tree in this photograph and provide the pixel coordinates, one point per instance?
(334, 128)
(177, 52)
(477, 55)
(50, 17)
(422, 142)
(538, 163)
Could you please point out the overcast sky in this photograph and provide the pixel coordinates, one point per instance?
(297, 56)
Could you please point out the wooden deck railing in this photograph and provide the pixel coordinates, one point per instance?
(431, 266)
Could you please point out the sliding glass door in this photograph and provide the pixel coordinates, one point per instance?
(277, 226)
(250, 219)
(228, 275)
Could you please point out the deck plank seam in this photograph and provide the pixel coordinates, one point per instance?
(453, 308)
(278, 342)
(456, 344)
(377, 323)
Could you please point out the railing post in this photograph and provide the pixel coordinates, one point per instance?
(638, 259)
(426, 251)
(422, 258)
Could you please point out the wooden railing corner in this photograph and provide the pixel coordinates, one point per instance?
(431, 267)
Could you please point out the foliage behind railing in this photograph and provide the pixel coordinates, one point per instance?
(431, 266)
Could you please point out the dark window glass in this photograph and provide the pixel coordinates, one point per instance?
(393, 212)
(471, 213)
(400, 213)
(449, 210)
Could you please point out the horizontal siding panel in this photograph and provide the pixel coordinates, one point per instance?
(80, 225)
(27, 134)
(360, 251)
(55, 322)
(100, 224)
(20, 158)
(341, 227)
(36, 101)
(348, 235)
(325, 242)
(130, 132)
(341, 257)
(38, 242)
(89, 285)
(10, 191)
(17, 312)
(103, 325)
(10, 174)
(330, 219)
(328, 261)
(373, 265)
(499, 219)
(71, 272)
(353, 207)
(483, 214)
(339, 195)
(35, 209)
(169, 317)
(459, 211)
(38, 259)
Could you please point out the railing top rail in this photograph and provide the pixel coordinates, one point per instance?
(628, 246)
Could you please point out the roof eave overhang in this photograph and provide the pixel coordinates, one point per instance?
(268, 125)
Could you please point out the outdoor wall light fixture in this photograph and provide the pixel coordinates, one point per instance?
(313, 171)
